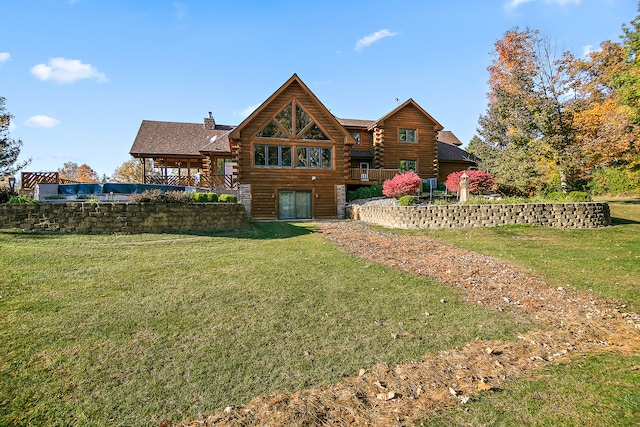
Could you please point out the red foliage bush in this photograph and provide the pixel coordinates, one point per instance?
(479, 181)
(402, 184)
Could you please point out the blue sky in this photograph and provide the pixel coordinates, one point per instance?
(80, 75)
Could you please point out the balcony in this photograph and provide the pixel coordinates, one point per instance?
(371, 176)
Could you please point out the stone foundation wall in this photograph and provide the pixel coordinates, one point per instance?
(105, 218)
(561, 215)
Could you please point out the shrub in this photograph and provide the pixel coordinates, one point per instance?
(227, 198)
(402, 184)
(376, 190)
(21, 200)
(352, 195)
(157, 196)
(579, 196)
(5, 194)
(205, 197)
(407, 200)
(614, 181)
(479, 181)
(364, 193)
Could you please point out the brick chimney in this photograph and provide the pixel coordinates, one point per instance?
(209, 122)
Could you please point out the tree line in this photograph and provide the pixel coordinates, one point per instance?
(557, 122)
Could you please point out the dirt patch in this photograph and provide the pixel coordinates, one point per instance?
(573, 323)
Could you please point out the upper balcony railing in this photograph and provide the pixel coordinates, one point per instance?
(375, 176)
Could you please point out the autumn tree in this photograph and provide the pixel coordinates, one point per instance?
(9, 147)
(132, 171)
(83, 173)
(605, 126)
(627, 82)
(526, 118)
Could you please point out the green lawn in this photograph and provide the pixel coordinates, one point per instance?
(142, 329)
(605, 261)
(596, 390)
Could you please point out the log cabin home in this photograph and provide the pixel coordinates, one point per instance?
(293, 159)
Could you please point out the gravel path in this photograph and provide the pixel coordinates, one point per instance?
(573, 323)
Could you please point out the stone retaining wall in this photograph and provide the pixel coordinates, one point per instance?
(561, 215)
(108, 218)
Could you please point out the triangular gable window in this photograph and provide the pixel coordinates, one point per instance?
(286, 121)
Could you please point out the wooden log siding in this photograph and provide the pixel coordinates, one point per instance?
(424, 150)
(267, 181)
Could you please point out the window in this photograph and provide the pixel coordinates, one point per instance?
(408, 165)
(356, 136)
(272, 155)
(313, 157)
(407, 135)
(224, 167)
(293, 123)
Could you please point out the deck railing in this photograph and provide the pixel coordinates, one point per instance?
(203, 181)
(373, 175)
(30, 179)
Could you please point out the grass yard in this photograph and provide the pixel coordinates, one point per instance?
(595, 390)
(142, 329)
(605, 261)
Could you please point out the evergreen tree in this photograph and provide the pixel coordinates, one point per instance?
(9, 148)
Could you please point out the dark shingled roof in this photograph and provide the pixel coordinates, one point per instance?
(448, 152)
(448, 137)
(355, 122)
(179, 139)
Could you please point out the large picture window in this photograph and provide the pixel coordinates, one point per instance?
(272, 155)
(408, 135)
(313, 157)
(293, 123)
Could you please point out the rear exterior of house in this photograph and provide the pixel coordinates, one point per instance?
(292, 156)
(293, 159)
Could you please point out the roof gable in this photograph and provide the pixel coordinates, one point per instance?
(408, 102)
(293, 80)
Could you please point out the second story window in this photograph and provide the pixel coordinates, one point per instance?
(355, 136)
(408, 135)
(272, 155)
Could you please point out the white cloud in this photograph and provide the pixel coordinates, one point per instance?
(247, 111)
(62, 70)
(42, 122)
(586, 50)
(513, 4)
(372, 38)
(4, 57)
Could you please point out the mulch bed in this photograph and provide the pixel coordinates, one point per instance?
(572, 323)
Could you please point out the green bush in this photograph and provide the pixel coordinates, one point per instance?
(407, 200)
(352, 195)
(579, 196)
(205, 197)
(21, 200)
(376, 190)
(364, 193)
(227, 198)
(614, 181)
(5, 194)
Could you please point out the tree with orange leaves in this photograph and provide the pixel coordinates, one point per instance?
(83, 173)
(526, 115)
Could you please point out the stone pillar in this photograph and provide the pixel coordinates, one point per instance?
(341, 200)
(245, 197)
(463, 190)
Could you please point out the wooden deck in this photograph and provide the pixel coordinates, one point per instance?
(371, 176)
